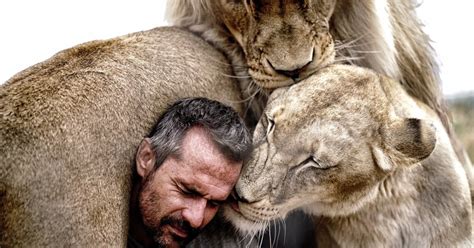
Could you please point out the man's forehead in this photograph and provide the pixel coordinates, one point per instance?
(208, 170)
(215, 169)
(210, 185)
(200, 152)
(213, 172)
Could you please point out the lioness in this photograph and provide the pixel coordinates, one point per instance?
(70, 126)
(352, 147)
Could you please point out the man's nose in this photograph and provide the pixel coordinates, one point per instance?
(195, 212)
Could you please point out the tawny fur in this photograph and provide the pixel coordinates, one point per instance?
(400, 51)
(70, 126)
(385, 36)
(372, 164)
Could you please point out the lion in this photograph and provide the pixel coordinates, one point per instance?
(279, 43)
(371, 163)
(70, 126)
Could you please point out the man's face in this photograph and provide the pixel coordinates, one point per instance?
(178, 199)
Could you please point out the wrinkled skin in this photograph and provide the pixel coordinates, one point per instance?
(173, 203)
(349, 142)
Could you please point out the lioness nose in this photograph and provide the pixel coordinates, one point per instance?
(250, 195)
(239, 196)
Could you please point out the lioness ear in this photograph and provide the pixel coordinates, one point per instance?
(414, 139)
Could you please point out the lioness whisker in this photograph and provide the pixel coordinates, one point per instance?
(242, 66)
(234, 76)
(277, 230)
(260, 232)
(366, 51)
(284, 230)
(251, 86)
(247, 99)
(349, 60)
(347, 44)
(270, 240)
(251, 237)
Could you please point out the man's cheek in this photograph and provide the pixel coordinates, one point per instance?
(149, 210)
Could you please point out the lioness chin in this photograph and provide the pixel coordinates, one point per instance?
(352, 148)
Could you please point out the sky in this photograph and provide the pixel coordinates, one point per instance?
(32, 31)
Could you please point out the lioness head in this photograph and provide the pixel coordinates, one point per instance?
(283, 41)
(323, 145)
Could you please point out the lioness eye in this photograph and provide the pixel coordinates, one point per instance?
(318, 165)
(271, 125)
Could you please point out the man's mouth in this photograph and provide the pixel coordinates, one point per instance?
(178, 231)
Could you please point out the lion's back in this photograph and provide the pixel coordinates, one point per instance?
(70, 126)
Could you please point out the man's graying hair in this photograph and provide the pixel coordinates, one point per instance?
(224, 125)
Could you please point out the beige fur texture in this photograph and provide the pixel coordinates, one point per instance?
(266, 39)
(374, 165)
(70, 126)
(277, 43)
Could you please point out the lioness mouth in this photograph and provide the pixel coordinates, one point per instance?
(234, 202)
(235, 206)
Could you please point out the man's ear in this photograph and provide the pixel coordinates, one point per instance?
(145, 158)
(413, 138)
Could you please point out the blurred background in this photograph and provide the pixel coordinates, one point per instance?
(32, 31)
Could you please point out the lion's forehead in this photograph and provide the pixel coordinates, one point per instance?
(277, 7)
(330, 96)
(350, 114)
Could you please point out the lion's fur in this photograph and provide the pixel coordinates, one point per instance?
(372, 163)
(385, 36)
(70, 126)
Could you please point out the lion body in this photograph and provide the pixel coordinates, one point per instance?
(374, 165)
(70, 126)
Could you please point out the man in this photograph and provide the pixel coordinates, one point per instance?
(184, 171)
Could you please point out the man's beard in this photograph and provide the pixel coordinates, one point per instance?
(156, 228)
(158, 234)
